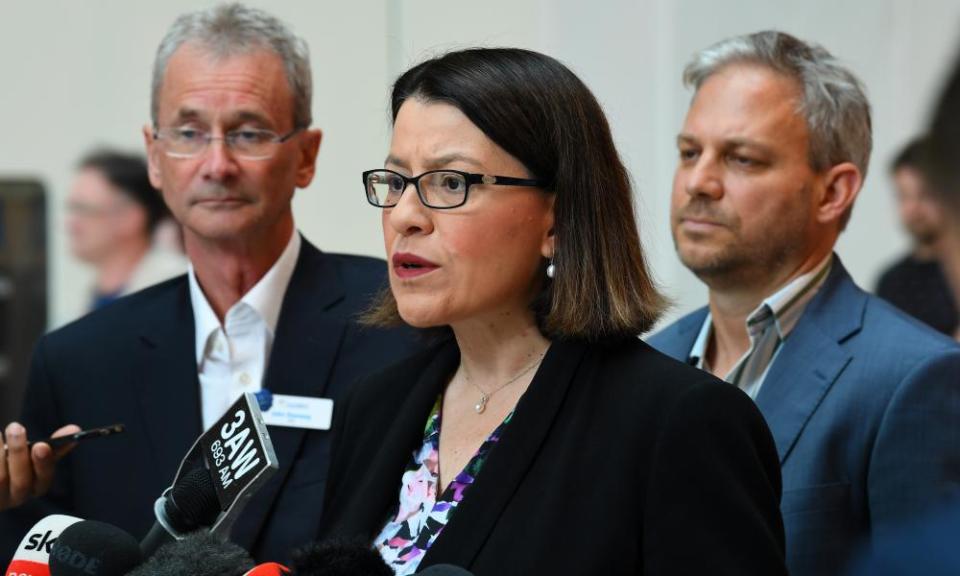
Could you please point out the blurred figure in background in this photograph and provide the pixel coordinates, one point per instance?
(945, 162)
(113, 214)
(916, 283)
(928, 545)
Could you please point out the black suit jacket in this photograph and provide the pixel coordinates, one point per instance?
(618, 460)
(134, 362)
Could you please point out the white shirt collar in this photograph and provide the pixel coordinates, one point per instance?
(265, 298)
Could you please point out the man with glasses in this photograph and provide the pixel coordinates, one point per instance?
(260, 309)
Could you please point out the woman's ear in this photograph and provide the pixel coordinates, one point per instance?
(548, 245)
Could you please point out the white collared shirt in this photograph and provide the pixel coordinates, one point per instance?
(232, 358)
(768, 326)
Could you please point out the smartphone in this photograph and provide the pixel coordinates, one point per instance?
(80, 436)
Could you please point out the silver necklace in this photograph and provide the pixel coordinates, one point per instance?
(480, 406)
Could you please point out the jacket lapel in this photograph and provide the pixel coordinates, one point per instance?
(811, 359)
(378, 492)
(678, 345)
(508, 463)
(304, 350)
(167, 382)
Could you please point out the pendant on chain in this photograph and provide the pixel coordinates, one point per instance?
(481, 405)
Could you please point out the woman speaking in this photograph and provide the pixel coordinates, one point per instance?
(538, 434)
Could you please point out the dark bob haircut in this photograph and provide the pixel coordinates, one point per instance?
(537, 110)
(128, 174)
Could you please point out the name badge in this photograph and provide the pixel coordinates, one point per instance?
(299, 412)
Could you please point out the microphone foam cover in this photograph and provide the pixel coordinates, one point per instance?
(91, 548)
(339, 558)
(198, 554)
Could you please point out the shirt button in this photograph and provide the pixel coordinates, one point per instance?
(245, 379)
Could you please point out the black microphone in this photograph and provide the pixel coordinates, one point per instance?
(91, 548)
(197, 554)
(339, 558)
(444, 570)
(191, 504)
(225, 466)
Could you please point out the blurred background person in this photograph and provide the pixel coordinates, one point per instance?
(916, 283)
(113, 216)
(945, 162)
(928, 545)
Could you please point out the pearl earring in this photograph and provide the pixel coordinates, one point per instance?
(551, 270)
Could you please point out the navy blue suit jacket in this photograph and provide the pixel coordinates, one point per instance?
(617, 460)
(864, 406)
(135, 362)
(926, 546)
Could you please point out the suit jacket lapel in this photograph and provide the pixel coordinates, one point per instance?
(688, 328)
(377, 495)
(509, 461)
(167, 382)
(811, 358)
(304, 350)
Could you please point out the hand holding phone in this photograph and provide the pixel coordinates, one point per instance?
(26, 470)
(58, 441)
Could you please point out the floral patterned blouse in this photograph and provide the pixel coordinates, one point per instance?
(420, 516)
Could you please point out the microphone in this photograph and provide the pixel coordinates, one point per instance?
(339, 558)
(91, 548)
(268, 569)
(32, 557)
(225, 466)
(444, 570)
(198, 554)
(192, 504)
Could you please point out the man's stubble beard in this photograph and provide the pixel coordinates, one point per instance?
(740, 263)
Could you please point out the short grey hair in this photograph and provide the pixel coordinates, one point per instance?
(232, 29)
(833, 100)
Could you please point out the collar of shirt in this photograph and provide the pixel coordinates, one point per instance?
(785, 306)
(265, 298)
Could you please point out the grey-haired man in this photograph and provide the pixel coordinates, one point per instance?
(230, 141)
(863, 402)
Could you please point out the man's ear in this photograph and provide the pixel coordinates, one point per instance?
(841, 184)
(153, 166)
(309, 149)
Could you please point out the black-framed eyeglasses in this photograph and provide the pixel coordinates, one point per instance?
(438, 189)
(245, 143)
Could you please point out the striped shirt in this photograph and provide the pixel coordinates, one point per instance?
(768, 326)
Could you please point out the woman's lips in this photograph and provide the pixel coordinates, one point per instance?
(407, 265)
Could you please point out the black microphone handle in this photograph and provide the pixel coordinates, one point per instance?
(157, 537)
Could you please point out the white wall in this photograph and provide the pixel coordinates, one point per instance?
(74, 74)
